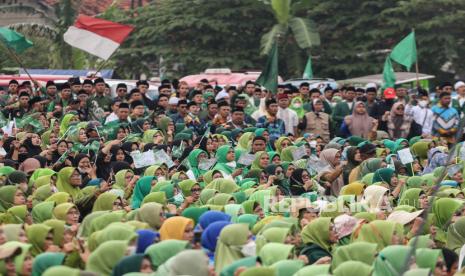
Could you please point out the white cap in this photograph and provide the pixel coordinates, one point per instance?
(403, 217)
(458, 84)
(223, 94)
(173, 101)
(371, 85)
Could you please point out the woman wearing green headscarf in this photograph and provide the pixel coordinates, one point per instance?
(46, 260)
(282, 143)
(234, 210)
(107, 202)
(443, 210)
(69, 181)
(286, 154)
(414, 197)
(262, 159)
(151, 213)
(207, 194)
(66, 121)
(456, 235)
(249, 219)
(318, 237)
(141, 189)
(153, 136)
(160, 252)
(274, 252)
(116, 232)
(59, 198)
(273, 234)
(245, 141)
(391, 260)
(40, 236)
(166, 125)
(350, 268)
(223, 186)
(42, 211)
(125, 181)
(21, 262)
(105, 219)
(358, 251)
(231, 237)
(10, 196)
(298, 106)
(194, 159)
(157, 197)
(225, 161)
(221, 199)
(106, 256)
(381, 232)
(432, 259)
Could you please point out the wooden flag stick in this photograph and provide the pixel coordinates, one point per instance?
(416, 65)
(18, 60)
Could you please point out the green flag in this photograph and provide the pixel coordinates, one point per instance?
(13, 40)
(269, 76)
(405, 52)
(389, 78)
(308, 72)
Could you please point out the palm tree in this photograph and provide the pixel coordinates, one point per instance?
(61, 54)
(304, 32)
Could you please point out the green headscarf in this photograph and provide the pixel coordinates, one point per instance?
(380, 232)
(149, 134)
(368, 179)
(383, 175)
(427, 257)
(194, 162)
(61, 211)
(64, 183)
(370, 166)
(158, 197)
(141, 189)
(105, 219)
(411, 197)
(104, 202)
(160, 252)
(64, 125)
(420, 150)
(41, 194)
(120, 179)
(42, 181)
(19, 259)
(128, 265)
(234, 210)
(18, 213)
(58, 229)
(298, 108)
(42, 211)
(7, 197)
(274, 252)
(286, 154)
(287, 267)
(350, 268)
(317, 232)
(249, 219)
(223, 186)
(256, 162)
(220, 199)
(226, 252)
(358, 251)
(59, 198)
(6, 170)
(186, 186)
(273, 234)
(443, 210)
(46, 260)
(116, 232)
(36, 235)
(106, 256)
(390, 260)
(245, 141)
(206, 194)
(322, 269)
(456, 235)
(221, 160)
(194, 213)
(414, 182)
(278, 143)
(150, 214)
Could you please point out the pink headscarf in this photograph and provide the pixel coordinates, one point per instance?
(359, 124)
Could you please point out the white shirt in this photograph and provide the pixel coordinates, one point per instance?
(423, 117)
(290, 118)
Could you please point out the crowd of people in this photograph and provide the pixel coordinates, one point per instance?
(230, 181)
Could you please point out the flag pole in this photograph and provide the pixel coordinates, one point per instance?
(416, 66)
(18, 60)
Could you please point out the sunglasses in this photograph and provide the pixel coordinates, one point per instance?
(196, 190)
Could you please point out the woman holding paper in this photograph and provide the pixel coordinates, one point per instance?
(333, 173)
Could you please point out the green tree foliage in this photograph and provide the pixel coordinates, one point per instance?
(191, 36)
(355, 35)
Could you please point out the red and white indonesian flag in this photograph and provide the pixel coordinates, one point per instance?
(96, 36)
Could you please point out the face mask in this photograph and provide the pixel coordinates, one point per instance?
(297, 105)
(161, 178)
(231, 164)
(249, 249)
(178, 199)
(280, 176)
(131, 250)
(423, 103)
